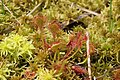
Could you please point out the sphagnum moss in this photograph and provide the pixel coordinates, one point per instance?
(104, 34)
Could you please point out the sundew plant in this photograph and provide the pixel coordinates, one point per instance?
(47, 40)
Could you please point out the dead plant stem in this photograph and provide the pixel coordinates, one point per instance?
(88, 55)
(10, 12)
(34, 9)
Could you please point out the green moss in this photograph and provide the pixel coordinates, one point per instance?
(15, 46)
(17, 40)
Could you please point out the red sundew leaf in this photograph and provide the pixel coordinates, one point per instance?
(46, 45)
(85, 38)
(72, 43)
(79, 70)
(54, 28)
(79, 44)
(79, 40)
(39, 21)
(59, 67)
(78, 35)
(54, 44)
(75, 41)
(57, 46)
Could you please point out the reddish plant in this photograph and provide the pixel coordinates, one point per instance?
(46, 45)
(72, 43)
(75, 41)
(60, 67)
(52, 46)
(29, 74)
(116, 75)
(39, 21)
(54, 28)
(79, 70)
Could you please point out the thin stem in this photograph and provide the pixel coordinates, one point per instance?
(89, 11)
(34, 9)
(83, 61)
(86, 10)
(3, 7)
(88, 55)
(10, 12)
(72, 55)
(111, 24)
